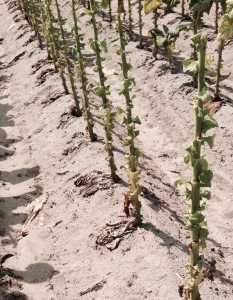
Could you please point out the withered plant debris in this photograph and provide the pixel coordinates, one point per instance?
(74, 111)
(112, 234)
(51, 97)
(36, 207)
(213, 105)
(93, 182)
(16, 58)
(44, 74)
(98, 286)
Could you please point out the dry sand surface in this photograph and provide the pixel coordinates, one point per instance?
(44, 150)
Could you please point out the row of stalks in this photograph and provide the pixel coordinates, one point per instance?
(66, 50)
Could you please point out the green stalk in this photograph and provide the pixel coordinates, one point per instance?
(110, 12)
(130, 19)
(68, 63)
(155, 17)
(45, 30)
(54, 43)
(121, 7)
(201, 177)
(216, 15)
(35, 23)
(140, 7)
(182, 8)
(219, 65)
(132, 158)
(84, 81)
(195, 258)
(27, 12)
(102, 91)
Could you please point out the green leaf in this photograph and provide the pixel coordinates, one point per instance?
(205, 177)
(187, 193)
(196, 39)
(203, 163)
(226, 27)
(136, 133)
(128, 141)
(156, 32)
(120, 111)
(103, 46)
(161, 41)
(150, 5)
(181, 182)
(208, 123)
(165, 29)
(205, 194)
(196, 218)
(136, 120)
(190, 65)
(204, 96)
(209, 140)
(187, 159)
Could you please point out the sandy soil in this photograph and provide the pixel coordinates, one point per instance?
(44, 150)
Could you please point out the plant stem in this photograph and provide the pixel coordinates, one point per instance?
(130, 19)
(110, 12)
(35, 23)
(140, 6)
(155, 17)
(68, 63)
(182, 8)
(84, 82)
(103, 92)
(216, 15)
(195, 193)
(132, 158)
(219, 64)
(45, 30)
(54, 47)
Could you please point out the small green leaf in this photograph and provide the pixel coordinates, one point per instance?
(209, 140)
(203, 163)
(87, 12)
(205, 177)
(209, 122)
(120, 111)
(136, 120)
(190, 65)
(181, 182)
(205, 194)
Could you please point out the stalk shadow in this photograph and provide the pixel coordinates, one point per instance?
(167, 239)
(156, 204)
